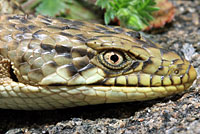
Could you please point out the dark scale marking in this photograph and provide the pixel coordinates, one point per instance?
(48, 24)
(19, 36)
(74, 27)
(56, 84)
(66, 34)
(90, 55)
(31, 27)
(47, 19)
(65, 21)
(89, 66)
(180, 65)
(126, 77)
(81, 37)
(102, 28)
(103, 82)
(29, 17)
(150, 43)
(65, 27)
(21, 60)
(174, 61)
(115, 82)
(23, 29)
(162, 78)
(138, 36)
(188, 70)
(71, 70)
(47, 47)
(126, 70)
(108, 26)
(163, 51)
(91, 39)
(81, 64)
(101, 36)
(12, 25)
(134, 34)
(110, 32)
(111, 72)
(102, 32)
(151, 77)
(160, 68)
(146, 63)
(13, 17)
(37, 72)
(99, 82)
(96, 30)
(78, 23)
(180, 56)
(81, 51)
(122, 42)
(133, 66)
(62, 49)
(32, 45)
(52, 64)
(138, 77)
(119, 30)
(66, 55)
(23, 20)
(55, 27)
(143, 43)
(181, 77)
(35, 35)
(170, 77)
(15, 6)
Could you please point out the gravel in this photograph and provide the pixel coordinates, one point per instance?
(171, 115)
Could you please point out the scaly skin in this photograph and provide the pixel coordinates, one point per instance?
(50, 63)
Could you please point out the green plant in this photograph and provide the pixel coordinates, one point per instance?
(51, 7)
(134, 14)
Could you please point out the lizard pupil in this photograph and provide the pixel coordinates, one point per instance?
(114, 58)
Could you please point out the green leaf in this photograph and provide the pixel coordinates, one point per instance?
(151, 8)
(102, 3)
(135, 21)
(146, 15)
(123, 12)
(108, 16)
(152, 3)
(51, 7)
(132, 13)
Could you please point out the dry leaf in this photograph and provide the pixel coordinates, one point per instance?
(163, 16)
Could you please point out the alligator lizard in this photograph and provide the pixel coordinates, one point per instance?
(49, 63)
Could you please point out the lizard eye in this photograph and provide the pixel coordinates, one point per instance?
(113, 59)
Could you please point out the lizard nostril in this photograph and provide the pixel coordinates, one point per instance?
(176, 71)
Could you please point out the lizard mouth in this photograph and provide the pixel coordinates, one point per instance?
(134, 80)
